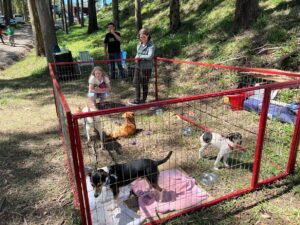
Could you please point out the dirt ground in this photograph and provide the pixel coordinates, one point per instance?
(23, 39)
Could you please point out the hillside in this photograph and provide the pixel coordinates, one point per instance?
(205, 33)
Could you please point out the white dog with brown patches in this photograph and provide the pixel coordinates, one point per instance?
(225, 144)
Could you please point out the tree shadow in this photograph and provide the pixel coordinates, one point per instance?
(16, 154)
(39, 80)
(282, 6)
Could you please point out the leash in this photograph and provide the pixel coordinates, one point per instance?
(94, 142)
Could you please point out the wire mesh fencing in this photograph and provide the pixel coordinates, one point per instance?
(226, 101)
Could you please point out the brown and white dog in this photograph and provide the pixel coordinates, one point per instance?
(127, 129)
(225, 144)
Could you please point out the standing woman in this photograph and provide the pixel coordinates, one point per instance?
(142, 73)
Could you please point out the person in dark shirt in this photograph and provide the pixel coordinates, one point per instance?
(112, 48)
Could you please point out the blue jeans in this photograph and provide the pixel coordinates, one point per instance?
(113, 66)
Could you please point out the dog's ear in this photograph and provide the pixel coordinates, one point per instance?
(128, 115)
(79, 109)
(234, 136)
(229, 136)
(102, 172)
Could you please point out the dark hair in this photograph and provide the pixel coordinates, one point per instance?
(111, 23)
(146, 32)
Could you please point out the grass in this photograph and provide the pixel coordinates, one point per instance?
(31, 156)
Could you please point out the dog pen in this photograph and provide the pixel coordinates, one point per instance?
(219, 99)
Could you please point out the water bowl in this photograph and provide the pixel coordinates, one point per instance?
(187, 131)
(158, 111)
(208, 179)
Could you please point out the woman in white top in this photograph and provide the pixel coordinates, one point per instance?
(99, 86)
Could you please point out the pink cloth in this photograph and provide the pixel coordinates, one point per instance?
(180, 192)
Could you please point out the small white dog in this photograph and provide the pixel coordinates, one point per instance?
(225, 144)
(92, 125)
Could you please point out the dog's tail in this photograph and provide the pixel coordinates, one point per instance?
(165, 159)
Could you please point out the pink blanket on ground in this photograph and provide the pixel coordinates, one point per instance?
(180, 192)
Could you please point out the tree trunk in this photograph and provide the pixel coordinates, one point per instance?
(70, 14)
(51, 13)
(25, 10)
(82, 17)
(174, 15)
(93, 26)
(63, 17)
(63, 22)
(48, 32)
(104, 3)
(1, 7)
(115, 11)
(36, 29)
(9, 8)
(138, 14)
(54, 11)
(6, 11)
(246, 13)
(77, 12)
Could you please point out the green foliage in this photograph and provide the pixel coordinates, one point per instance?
(287, 95)
(73, 215)
(17, 6)
(261, 22)
(277, 34)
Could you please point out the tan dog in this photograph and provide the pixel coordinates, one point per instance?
(128, 127)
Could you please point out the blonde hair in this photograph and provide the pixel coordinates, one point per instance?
(104, 74)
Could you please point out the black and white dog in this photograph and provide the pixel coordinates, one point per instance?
(225, 144)
(119, 175)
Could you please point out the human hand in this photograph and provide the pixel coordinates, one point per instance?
(103, 90)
